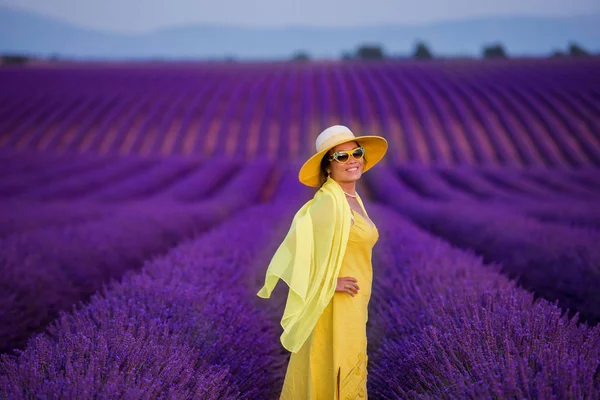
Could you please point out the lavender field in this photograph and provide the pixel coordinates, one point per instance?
(141, 204)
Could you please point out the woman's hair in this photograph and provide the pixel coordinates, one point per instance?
(324, 164)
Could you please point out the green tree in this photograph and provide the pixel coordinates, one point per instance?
(422, 51)
(494, 51)
(14, 59)
(301, 56)
(576, 50)
(370, 52)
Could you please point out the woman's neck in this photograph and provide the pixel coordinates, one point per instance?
(348, 187)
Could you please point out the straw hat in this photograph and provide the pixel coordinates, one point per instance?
(375, 149)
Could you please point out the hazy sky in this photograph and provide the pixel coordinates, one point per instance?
(146, 15)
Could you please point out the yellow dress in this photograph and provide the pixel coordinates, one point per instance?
(332, 363)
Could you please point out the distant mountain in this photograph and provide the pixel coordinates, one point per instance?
(24, 32)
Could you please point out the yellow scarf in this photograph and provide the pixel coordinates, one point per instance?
(309, 261)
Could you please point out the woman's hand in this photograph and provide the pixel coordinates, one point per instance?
(347, 284)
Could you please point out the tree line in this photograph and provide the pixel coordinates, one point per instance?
(421, 51)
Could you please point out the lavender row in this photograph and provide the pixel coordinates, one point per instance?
(589, 177)
(131, 179)
(69, 207)
(20, 163)
(558, 181)
(543, 194)
(47, 270)
(145, 183)
(77, 181)
(467, 186)
(444, 325)
(532, 184)
(20, 217)
(556, 262)
(450, 113)
(148, 180)
(201, 183)
(578, 215)
(510, 185)
(561, 112)
(181, 328)
(508, 138)
(506, 183)
(48, 173)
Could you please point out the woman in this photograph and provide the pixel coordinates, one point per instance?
(325, 259)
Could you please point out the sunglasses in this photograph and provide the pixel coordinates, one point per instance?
(344, 156)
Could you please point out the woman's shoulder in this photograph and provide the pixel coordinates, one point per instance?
(323, 198)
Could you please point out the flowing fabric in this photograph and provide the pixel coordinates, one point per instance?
(309, 261)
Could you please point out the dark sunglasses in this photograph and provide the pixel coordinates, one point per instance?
(344, 156)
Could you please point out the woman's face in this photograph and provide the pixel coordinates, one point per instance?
(348, 172)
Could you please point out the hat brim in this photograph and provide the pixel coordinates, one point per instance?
(375, 149)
